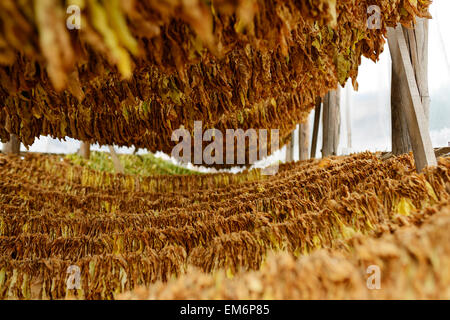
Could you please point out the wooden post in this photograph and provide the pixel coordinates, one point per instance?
(85, 150)
(399, 95)
(331, 123)
(316, 124)
(116, 161)
(303, 141)
(417, 44)
(12, 146)
(289, 154)
(290, 148)
(293, 134)
(412, 108)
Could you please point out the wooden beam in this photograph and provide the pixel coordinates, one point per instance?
(12, 146)
(399, 96)
(116, 161)
(417, 43)
(316, 124)
(413, 109)
(331, 123)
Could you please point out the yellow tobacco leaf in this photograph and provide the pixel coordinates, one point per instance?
(430, 191)
(324, 163)
(92, 268)
(229, 273)
(2, 276)
(405, 206)
(316, 241)
(348, 232)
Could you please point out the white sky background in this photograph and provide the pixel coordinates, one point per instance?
(370, 106)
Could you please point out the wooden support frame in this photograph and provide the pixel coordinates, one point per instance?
(417, 43)
(412, 109)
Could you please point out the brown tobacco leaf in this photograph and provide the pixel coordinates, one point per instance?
(54, 41)
(74, 86)
(127, 231)
(408, 260)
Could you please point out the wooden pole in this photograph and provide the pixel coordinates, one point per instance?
(316, 124)
(12, 146)
(116, 161)
(399, 96)
(293, 134)
(412, 108)
(289, 155)
(331, 123)
(417, 43)
(303, 141)
(85, 150)
(290, 148)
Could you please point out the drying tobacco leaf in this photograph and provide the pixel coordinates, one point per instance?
(127, 231)
(148, 67)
